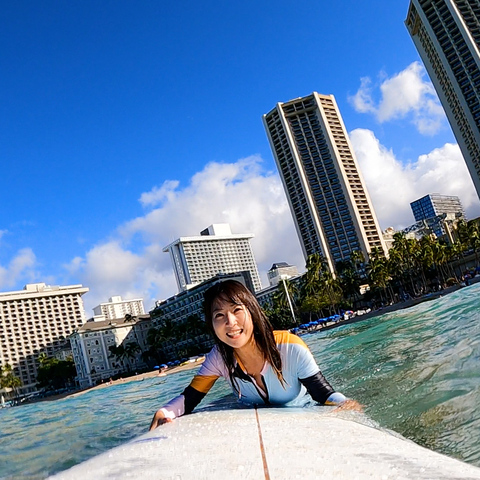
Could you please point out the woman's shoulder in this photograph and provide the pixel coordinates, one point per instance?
(213, 363)
(283, 337)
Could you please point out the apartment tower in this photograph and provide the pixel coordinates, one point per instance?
(330, 205)
(446, 34)
(35, 320)
(215, 251)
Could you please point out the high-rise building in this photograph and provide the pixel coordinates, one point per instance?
(35, 320)
(330, 205)
(215, 251)
(446, 34)
(118, 308)
(434, 204)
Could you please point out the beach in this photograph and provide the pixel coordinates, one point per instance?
(134, 378)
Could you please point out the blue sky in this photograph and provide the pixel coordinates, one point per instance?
(126, 124)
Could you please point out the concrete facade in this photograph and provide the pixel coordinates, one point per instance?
(215, 251)
(90, 347)
(118, 308)
(447, 36)
(35, 320)
(332, 210)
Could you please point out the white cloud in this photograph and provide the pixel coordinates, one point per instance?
(408, 94)
(158, 195)
(393, 185)
(20, 268)
(243, 194)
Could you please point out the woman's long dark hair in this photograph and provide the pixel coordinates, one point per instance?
(235, 293)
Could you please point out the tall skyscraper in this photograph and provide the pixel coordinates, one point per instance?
(330, 205)
(215, 251)
(35, 320)
(446, 34)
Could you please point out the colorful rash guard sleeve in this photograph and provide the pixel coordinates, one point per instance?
(300, 372)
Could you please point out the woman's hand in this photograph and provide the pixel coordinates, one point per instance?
(350, 405)
(159, 419)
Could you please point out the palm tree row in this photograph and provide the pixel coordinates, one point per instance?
(413, 267)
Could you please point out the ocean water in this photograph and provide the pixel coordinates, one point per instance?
(416, 371)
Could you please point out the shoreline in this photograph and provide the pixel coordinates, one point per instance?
(133, 378)
(155, 373)
(395, 307)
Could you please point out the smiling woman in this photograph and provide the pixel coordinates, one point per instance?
(262, 366)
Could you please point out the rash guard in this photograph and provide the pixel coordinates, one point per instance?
(300, 372)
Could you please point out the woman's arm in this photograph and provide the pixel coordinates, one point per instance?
(192, 395)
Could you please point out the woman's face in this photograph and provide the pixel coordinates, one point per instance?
(232, 323)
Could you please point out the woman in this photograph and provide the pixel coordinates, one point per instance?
(261, 365)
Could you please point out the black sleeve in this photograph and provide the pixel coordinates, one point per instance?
(318, 387)
(192, 399)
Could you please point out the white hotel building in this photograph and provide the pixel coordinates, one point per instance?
(215, 251)
(90, 347)
(118, 308)
(35, 320)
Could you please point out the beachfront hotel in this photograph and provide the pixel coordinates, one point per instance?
(446, 34)
(215, 251)
(332, 210)
(35, 320)
(118, 308)
(90, 347)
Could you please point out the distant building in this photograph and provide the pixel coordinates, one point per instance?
(90, 346)
(447, 36)
(266, 295)
(331, 208)
(433, 205)
(388, 237)
(214, 252)
(118, 308)
(180, 307)
(281, 271)
(35, 320)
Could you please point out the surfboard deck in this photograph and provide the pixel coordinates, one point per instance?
(269, 443)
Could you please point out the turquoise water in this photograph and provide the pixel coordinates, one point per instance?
(417, 371)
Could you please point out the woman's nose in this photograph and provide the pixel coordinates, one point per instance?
(231, 319)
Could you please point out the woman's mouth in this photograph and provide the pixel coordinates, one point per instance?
(235, 333)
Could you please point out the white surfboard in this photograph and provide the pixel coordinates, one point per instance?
(270, 443)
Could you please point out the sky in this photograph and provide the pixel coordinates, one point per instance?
(126, 124)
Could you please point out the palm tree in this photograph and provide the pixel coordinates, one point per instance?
(9, 380)
(358, 260)
(285, 297)
(131, 350)
(118, 352)
(378, 271)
